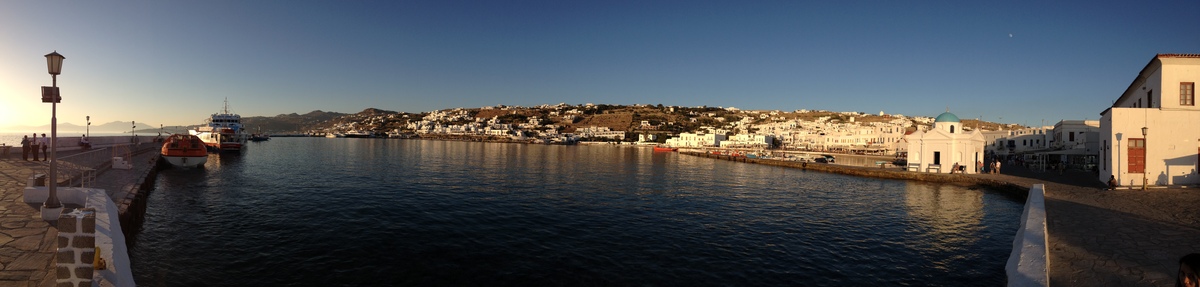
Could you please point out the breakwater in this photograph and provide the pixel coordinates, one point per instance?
(879, 172)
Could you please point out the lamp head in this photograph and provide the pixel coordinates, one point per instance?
(54, 62)
(1144, 130)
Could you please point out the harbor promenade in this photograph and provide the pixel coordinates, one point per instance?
(27, 242)
(1122, 237)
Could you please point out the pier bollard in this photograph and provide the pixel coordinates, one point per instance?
(76, 248)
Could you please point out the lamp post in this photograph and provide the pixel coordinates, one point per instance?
(1145, 149)
(52, 208)
(89, 127)
(133, 131)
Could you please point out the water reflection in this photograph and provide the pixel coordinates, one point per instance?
(464, 213)
(946, 218)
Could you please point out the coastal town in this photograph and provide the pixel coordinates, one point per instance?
(1114, 147)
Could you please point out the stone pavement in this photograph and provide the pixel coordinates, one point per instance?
(1120, 237)
(27, 243)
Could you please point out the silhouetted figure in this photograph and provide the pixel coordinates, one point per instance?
(45, 146)
(25, 148)
(35, 146)
(1112, 182)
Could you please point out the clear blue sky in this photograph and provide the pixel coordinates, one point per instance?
(173, 62)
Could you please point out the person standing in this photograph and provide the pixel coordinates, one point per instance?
(997, 166)
(45, 146)
(35, 143)
(25, 148)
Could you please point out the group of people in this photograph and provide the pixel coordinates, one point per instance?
(33, 144)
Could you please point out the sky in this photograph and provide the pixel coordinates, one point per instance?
(175, 62)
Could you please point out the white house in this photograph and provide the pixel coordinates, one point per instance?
(1150, 132)
(939, 148)
(696, 140)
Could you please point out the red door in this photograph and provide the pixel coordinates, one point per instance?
(1137, 155)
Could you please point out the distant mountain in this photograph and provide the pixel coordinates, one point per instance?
(290, 123)
(112, 127)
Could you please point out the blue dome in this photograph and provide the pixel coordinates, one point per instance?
(946, 117)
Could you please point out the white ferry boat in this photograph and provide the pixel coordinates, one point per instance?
(222, 131)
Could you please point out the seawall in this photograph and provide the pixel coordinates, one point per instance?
(877, 172)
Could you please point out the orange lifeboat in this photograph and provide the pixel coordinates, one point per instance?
(665, 148)
(184, 150)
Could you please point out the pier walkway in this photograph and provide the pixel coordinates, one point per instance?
(27, 243)
(1122, 237)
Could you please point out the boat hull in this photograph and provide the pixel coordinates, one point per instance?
(665, 149)
(186, 161)
(184, 151)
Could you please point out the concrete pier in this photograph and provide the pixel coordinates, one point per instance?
(1096, 237)
(27, 242)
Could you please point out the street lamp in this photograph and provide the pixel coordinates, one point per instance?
(52, 208)
(89, 127)
(1145, 148)
(133, 131)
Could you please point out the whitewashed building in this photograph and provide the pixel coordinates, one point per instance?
(696, 140)
(1150, 133)
(749, 141)
(939, 148)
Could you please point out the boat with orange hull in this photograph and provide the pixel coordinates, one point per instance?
(664, 148)
(184, 151)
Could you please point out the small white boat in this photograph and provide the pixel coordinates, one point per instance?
(184, 151)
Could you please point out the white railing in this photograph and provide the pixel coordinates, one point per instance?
(1027, 265)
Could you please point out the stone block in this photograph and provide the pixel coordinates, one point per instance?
(87, 283)
(65, 284)
(67, 224)
(84, 272)
(63, 272)
(84, 241)
(89, 220)
(66, 256)
(87, 257)
(63, 241)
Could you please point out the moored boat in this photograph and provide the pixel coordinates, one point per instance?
(184, 150)
(222, 131)
(664, 148)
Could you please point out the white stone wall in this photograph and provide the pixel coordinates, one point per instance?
(1172, 145)
(76, 248)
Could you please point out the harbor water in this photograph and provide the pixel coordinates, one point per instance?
(375, 212)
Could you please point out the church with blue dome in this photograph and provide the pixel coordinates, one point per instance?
(944, 145)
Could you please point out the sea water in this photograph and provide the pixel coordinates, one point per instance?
(387, 212)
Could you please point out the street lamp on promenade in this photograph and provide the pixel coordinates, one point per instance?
(89, 127)
(52, 208)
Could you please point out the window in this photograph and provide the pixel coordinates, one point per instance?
(1150, 99)
(937, 157)
(1187, 94)
(951, 128)
(1072, 134)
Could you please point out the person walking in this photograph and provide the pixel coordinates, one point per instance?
(35, 143)
(45, 146)
(25, 148)
(997, 166)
